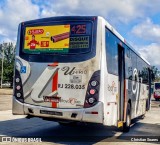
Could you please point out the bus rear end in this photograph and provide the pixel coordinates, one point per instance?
(156, 94)
(57, 69)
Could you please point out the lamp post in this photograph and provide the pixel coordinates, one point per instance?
(3, 46)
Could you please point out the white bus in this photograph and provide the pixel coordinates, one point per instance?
(156, 90)
(79, 69)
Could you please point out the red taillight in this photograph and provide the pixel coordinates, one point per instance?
(18, 87)
(93, 112)
(92, 91)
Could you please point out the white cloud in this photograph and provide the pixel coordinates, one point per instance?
(115, 10)
(13, 12)
(47, 13)
(151, 53)
(147, 30)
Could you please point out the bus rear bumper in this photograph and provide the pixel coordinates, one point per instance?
(93, 114)
(17, 107)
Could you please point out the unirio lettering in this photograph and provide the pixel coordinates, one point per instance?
(67, 70)
(70, 71)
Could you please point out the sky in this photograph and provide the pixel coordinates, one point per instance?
(138, 21)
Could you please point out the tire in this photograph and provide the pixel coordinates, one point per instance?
(142, 116)
(147, 105)
(147, 108)
(127, 124)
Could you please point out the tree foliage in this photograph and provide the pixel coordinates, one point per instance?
(156, 74)
(7, 52)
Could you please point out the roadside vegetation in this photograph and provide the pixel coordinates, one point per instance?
(7, 53)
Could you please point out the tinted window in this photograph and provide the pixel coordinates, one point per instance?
(145, 73)
(135, 65)
(128, 63)
(112, 52)
(157, 85)
(140, 65)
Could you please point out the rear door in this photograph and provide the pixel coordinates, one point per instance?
(121, 73)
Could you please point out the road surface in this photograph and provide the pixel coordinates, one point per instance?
(52, 133)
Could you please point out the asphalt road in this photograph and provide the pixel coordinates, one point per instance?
(53, 133)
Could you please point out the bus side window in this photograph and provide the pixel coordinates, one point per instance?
(128, 64)
(111, 53)
(145, 75)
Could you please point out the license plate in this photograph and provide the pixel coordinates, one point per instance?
(51, 112)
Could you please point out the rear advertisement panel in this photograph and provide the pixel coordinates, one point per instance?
(58, 38)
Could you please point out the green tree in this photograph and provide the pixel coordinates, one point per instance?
(156, 73)
(8, 51)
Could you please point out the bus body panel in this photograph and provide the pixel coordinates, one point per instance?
(36, 86)
(72, 82)
(68, 84)
(109, 99)
(84, 115)
(17, 107)
(136, 93)
(138, 100)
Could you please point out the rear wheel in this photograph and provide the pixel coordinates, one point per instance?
(142, 116)
(126, 125)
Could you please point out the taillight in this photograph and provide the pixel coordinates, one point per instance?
(18, 90)
(91, 100)
(92, 94)
(17, 80)
(94, 83)
(92, 91)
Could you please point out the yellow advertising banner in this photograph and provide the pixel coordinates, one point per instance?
(47, 37)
